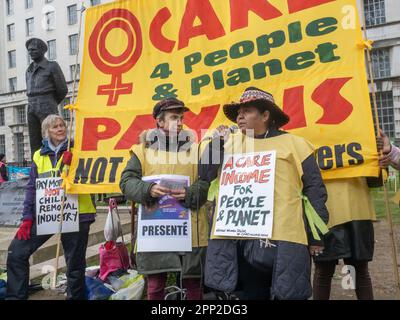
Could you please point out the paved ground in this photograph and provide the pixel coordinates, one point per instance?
(381, 271)
(381, 268)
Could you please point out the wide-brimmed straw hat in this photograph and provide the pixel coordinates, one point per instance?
(261, 99)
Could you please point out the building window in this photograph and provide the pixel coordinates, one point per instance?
(28, 4)
(29, 27)
(12, 82)
(381, 63)
(2, 144)
(10, 7)
(374, 11)
(12, 59)
(11, 32)
(73, 44)
(72, 70)
(95, 2)
(384, 101)
(64, 112)
(2, 120)
(50, 20)
(52, 50)
(20, 146)
(72, 14)
(20, 114)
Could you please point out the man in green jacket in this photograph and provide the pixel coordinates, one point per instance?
(163, 151)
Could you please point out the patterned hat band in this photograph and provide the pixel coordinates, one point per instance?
(251, 95)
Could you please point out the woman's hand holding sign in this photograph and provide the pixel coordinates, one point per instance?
(384, 145)
(179, 194)
(158, 191)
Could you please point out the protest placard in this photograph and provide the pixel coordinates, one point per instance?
(246, 195)
(165, 225)
(49, 193)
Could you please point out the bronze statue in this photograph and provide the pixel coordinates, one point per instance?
(45, 88)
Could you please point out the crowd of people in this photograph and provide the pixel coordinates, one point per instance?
(223, 265)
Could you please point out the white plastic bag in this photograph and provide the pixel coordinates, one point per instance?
(92, 272)
(112, 228)
(132, 288)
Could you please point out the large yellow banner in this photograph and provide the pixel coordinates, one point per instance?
(307, 53)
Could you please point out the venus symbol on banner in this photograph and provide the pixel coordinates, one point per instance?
(115, 65)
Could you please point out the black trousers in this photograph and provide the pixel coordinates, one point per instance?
(19, 251)
(323, 279)
(38, 109)
(253, 284)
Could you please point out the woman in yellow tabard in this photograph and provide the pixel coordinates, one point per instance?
(283, 269)
(351, 235)
(49, 162)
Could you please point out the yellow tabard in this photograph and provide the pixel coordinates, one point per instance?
(349, 200)
(156, 162)
(291, 151)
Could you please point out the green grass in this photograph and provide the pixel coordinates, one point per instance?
(380, 207)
